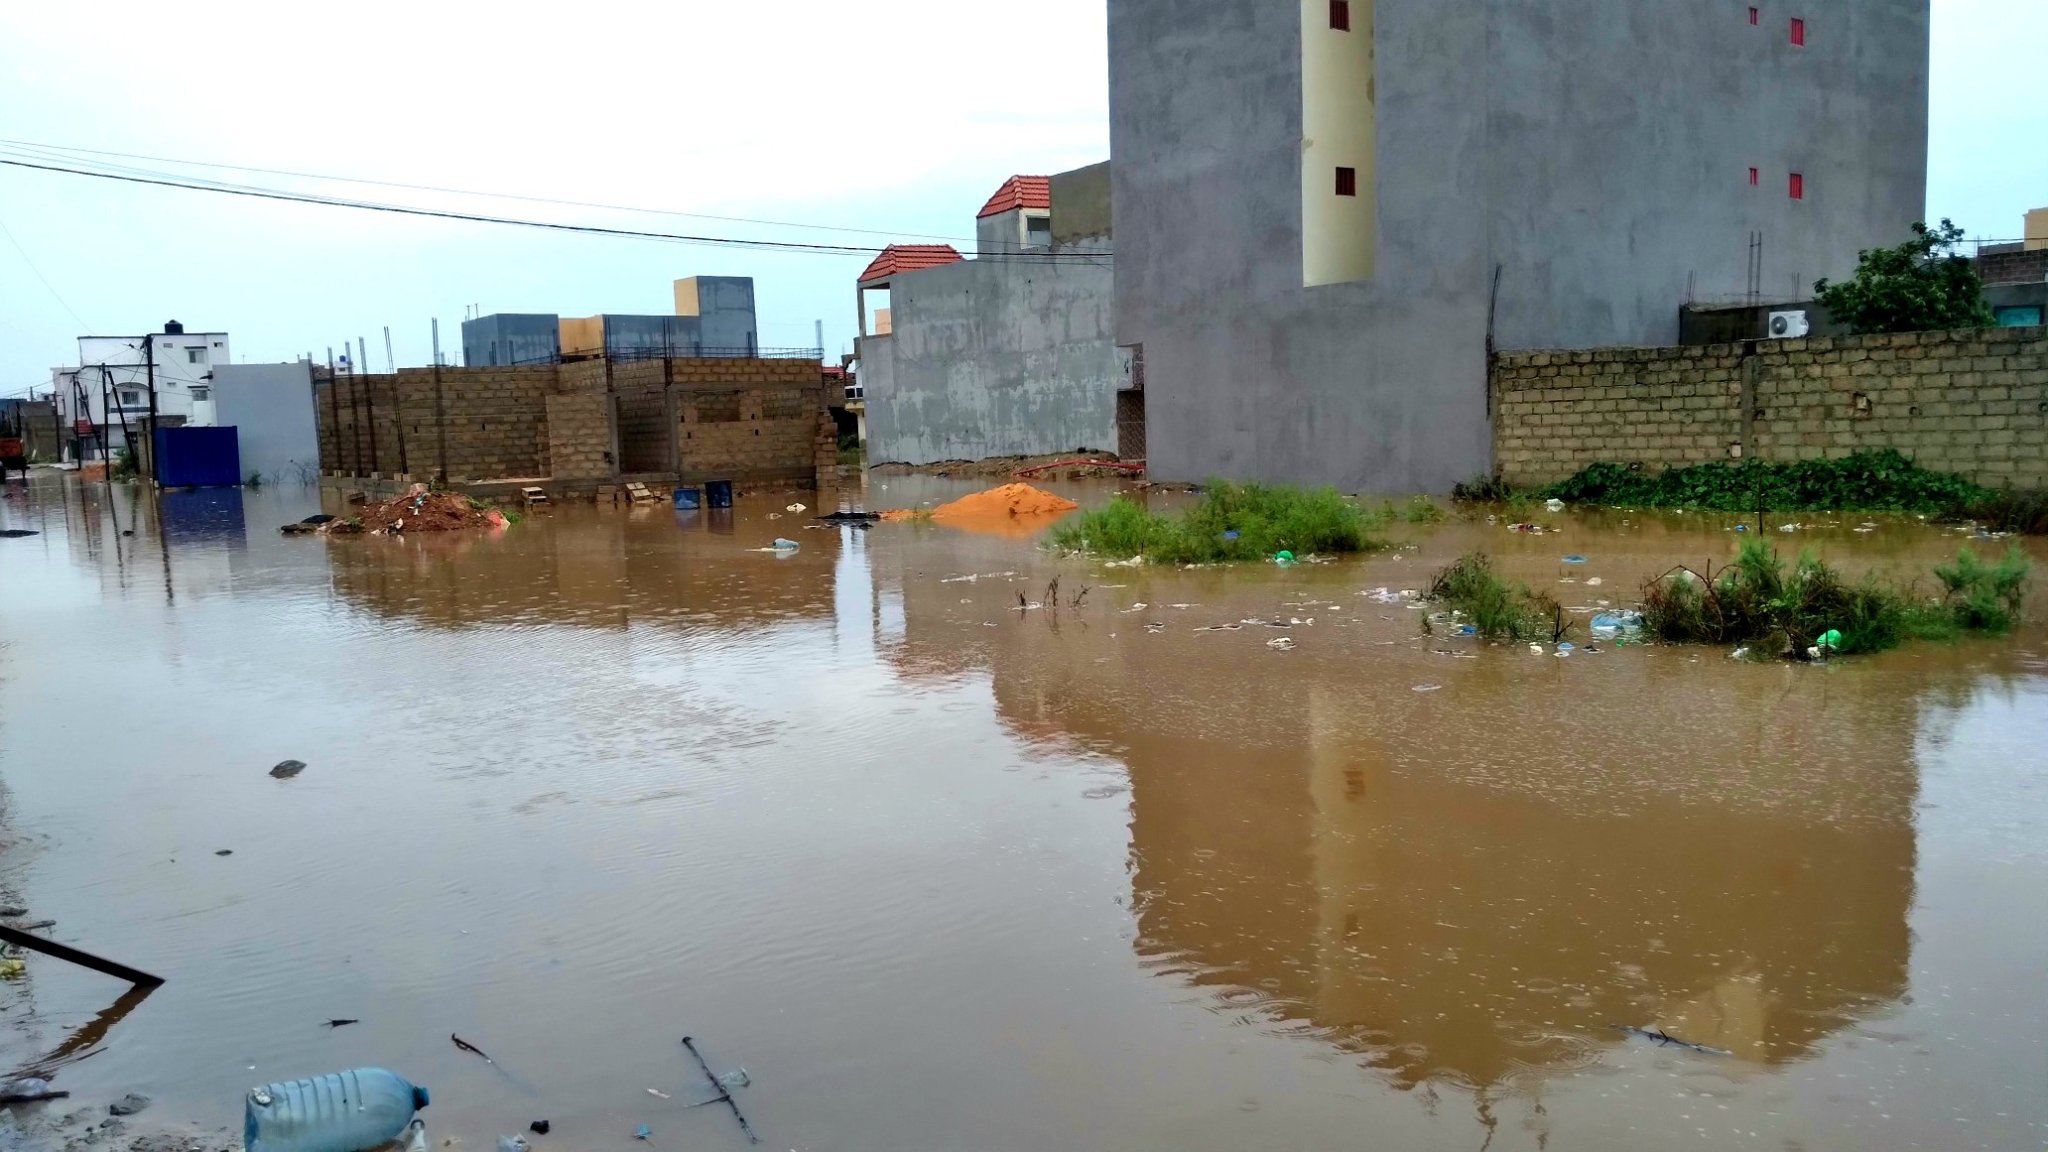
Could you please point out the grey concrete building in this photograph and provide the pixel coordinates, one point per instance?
(503, 339)
(1008, 354)
(1326, 210)
(270, 407)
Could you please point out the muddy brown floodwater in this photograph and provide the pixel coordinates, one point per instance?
(943, 874)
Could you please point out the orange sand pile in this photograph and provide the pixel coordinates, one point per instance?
(1013, 509)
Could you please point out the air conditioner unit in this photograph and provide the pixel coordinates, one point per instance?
(1789, 325)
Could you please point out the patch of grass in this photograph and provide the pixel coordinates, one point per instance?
(1759, 602)
(1418, 510)
(1877, 481)
(1483, 490)
(921, 515)
(1232, 522)
(1495, 608)
(2022, 510)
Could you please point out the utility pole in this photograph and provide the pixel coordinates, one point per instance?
(149, 363)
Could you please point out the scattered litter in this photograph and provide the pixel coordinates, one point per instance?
(1133, 562)
(972, 577)
(1230, 534)
(12, 967)
(1429, 687)
(36, 925)
(1742, 528)
(29, 1089)
(1222, 628)
(783, 544)
(1593, 581)
(1788, 527)
(1611, 624)
(794, 508)
(1554, 505)
(128, 1105)
(1535, 649)
(775, 515)
(642, 1132)
(1565, 649)
(1283, 558)
(1140, 606)
(1280, 643)
(1831, 639)
(225, 852)
(1574, 560)
(1739, 654)
(540, 1127)
(466, 1046)
(18, 534)
(340, 1023)
(512, 1144)
(657, 1093)
(1525, 526)
(1664, 1039)
(724, 1093)
(286, 769)
(338, 1112)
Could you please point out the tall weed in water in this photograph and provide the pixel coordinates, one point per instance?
(1495, 608)
(1757, 601)
(1231, 522)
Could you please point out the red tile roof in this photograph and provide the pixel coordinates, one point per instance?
(1019, 192)
(909, 258)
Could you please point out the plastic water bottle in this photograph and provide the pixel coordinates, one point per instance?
(339, 1112)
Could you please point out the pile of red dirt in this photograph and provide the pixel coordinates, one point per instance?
(424, 511)
(1011, 510)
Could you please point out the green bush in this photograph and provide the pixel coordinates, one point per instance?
(1418, 510)
(1757, 602)
(1495, 608)
(1921, 285)
(1875, 481)
(1231, 522)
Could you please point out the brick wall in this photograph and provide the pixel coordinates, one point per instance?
(1972, 402)
(2025, 267)
(747, 420)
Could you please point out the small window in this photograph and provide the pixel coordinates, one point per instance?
(195, 355)
(1347, 181)
(1340, 15)
(1755, 177)
(1756, 17)
(129, 397)
(1798, 186)
(1798, 32)
(201, 392)
(2018, 316)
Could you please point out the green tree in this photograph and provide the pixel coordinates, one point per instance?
(1922, 285)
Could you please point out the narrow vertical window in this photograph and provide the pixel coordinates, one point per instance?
(1798, 186)
(1347, 181)
(1754, 177)
(1756, 17)
(1340, 15)
(1798, 33)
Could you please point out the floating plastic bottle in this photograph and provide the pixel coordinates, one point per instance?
(340, 1112)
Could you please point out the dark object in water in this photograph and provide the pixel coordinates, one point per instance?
(27, 1090)
(16, 534)
(540, 1127)
(225, 852)
(466, 1046)
(724, 1093)
(317, 518)
(286, 769)
(848, 518)
(1664, 1039)
(340, 1023)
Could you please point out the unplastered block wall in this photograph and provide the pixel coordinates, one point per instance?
(752, 420)
(580, 436)
(469, 423)
(1974, 402)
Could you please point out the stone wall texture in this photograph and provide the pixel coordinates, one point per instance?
(751, 421)
(1972, 402)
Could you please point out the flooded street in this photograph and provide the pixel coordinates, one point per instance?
(942, 873)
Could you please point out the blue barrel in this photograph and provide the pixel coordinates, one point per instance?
(718, 493)
(339, 1112)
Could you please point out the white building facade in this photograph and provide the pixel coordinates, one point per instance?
(104, 402)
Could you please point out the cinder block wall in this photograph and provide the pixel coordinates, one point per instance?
(1974, 402)
(753, 421)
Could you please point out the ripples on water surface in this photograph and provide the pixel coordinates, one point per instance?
(945, 875)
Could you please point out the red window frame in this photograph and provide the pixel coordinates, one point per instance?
(1347, 181)
(1755, 177)
(1798, 32)
(1756, 17)
(1798, 186)
(1340, 15)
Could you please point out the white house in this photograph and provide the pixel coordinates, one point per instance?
(104, 401)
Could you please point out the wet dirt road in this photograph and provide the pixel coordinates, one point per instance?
(944, 874)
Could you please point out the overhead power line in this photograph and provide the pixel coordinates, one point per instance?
(67, 154)
(123, 174)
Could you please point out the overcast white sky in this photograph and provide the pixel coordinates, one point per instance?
(803, 110)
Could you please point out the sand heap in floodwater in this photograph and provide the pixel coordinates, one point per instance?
(1013, 509)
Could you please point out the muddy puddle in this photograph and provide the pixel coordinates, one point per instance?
(942, 874)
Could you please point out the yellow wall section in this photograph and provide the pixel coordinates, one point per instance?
(582, 335)
(1338, 240)
(686, 297)
(2037, 229)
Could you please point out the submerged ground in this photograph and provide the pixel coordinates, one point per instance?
(945, 874)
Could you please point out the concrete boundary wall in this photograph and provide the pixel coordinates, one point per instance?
(1973, 402)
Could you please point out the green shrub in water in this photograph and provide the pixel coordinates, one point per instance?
(1758, 602)
(1231, 522)
(1418, 510)
(1495, 608)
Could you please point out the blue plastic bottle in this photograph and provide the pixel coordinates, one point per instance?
(340, 1112)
